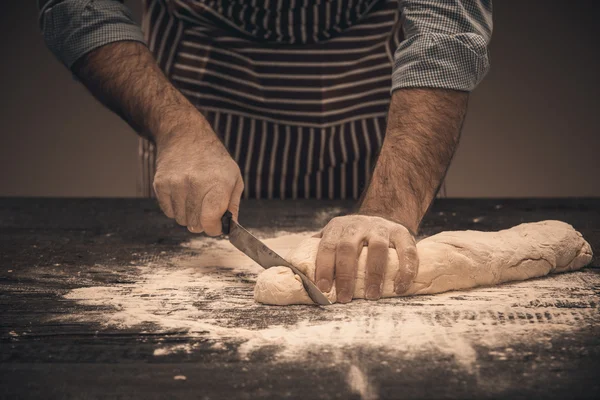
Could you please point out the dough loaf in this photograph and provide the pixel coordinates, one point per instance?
(452, 260)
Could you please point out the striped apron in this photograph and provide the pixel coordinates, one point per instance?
(298, 91)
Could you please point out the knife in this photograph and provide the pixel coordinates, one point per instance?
(264, 256)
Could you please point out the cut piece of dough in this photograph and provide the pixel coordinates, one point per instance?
(452, 260)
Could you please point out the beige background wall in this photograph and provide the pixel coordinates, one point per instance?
(533, 127)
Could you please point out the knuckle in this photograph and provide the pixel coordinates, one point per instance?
(332, 233)
(190, 210)
(217, 189)
(401, 230)
(176, 182)
(345, 247)
(338, 222)
(398, 231)
(192, 213)
(209, 204)
(411, 239)
(327, 245)
(344, 278)
(214, 190)
(221, 191)
(193, 180)
(160, 186)
(411, 255)
(381, 231)
(212, 209)
(351, 230)
(158, 181)
(323, 269)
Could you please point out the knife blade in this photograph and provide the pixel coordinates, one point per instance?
(264, 256)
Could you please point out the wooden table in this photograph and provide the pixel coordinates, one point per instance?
(57, 343)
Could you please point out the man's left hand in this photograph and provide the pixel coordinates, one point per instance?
(343, 239)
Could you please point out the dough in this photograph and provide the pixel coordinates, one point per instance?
(452, 260)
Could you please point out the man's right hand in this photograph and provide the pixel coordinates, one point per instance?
(196, 180)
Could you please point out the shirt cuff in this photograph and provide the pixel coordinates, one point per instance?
(73, 28)
(437, 60)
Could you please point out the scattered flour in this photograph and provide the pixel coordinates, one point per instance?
(358, 382)
(178, 348)
(322, 217)
(210, 295)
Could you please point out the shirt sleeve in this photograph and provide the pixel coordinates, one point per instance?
(73, 28)
(445, 44)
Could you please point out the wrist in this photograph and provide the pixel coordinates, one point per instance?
(188, 123)
(388, 194)
(408, 221)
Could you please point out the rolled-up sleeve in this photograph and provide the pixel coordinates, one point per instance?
(73, 28)
(445, 44)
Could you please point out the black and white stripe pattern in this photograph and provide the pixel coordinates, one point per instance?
(291, 161)
(278, 21)
(163, 31)
(297, 90)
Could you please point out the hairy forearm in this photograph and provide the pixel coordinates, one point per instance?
(125, 77)
(422, 135)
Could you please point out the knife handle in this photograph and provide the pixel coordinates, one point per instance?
(226, 222)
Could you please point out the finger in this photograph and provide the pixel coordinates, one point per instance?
(408, 259)
(193, 209)
(178, 199)
(164, 198)
(214, 205)
(325, 261)
(346, 262)
(236, 195)
(377, 256)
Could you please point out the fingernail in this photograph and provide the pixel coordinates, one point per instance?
(373, 292)
(344, 296)
(323, 285)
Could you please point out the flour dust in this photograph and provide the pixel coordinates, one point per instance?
(209, 295)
